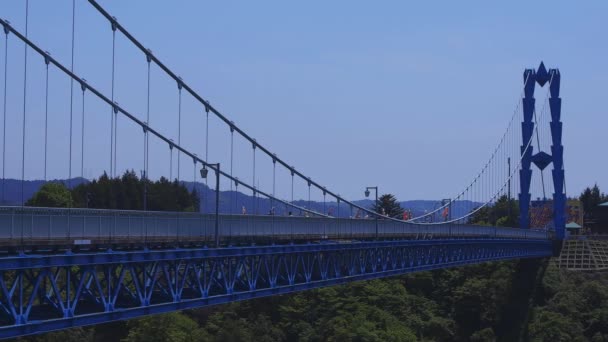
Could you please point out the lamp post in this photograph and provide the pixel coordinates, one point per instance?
(204, 173)
(375, 188)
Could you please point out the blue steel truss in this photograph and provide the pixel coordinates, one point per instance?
(45, 293)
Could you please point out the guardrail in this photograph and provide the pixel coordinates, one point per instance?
(31, 226)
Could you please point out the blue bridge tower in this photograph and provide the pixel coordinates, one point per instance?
(542, 159)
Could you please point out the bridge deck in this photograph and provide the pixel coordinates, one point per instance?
(29, 227)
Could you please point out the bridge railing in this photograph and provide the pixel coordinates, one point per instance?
(33, 226)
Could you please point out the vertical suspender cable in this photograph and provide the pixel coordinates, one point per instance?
(233, 197)
(493, 174)
(46, 114)
(309, 203)
(338, 200)
(23, 129)
(194, 189)
(231, 152)
(492, 180)
(207, 150)
(236, 191)
(542, 178)
(24, 104)
(171, 161)
(72, 93)
(4, 113)
(253, 182)
(179, 141)
(272, 209)
(112, 112)
(83, 87)
(207, 137)
(274, 170)
(147, 138)
(194, 174)
(116, 143)
(324, 203)
(179, 125)
(71, 112)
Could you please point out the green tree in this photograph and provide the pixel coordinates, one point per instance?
(483, 335)
(548, 326)
(590, 198)
(69, 335)
(504, 212)
(387, 205)
(173, 327)
(127, 193)
(53, 194)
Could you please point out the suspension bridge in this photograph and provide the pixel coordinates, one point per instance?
(68, 267)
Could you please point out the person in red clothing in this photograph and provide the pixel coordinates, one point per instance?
(446, 212)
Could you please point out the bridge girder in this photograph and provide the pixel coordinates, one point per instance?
(46, 293)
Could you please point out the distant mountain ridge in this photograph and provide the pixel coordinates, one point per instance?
(10, 189)
(233, 202)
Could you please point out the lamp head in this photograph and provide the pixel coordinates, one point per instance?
(366, 192)
(204, 172)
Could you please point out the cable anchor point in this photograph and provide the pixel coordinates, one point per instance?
(114, 23)
(47, 58)
(7, 27)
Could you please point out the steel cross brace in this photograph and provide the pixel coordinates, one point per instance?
(45, 298)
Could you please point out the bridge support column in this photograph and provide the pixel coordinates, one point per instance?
(527, 127)
(557, 152)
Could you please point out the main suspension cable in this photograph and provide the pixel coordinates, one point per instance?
(525, 148)
(484, 187)
(117, 108)
(217, 113)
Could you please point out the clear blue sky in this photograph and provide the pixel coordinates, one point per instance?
(409, 96)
